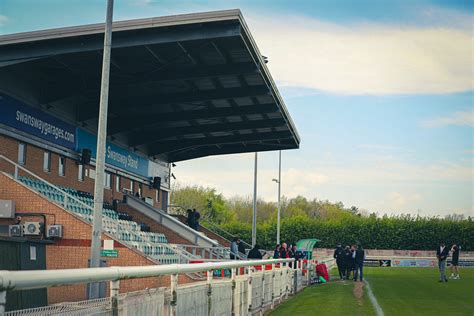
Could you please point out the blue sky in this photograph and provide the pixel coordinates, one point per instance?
(381, 93)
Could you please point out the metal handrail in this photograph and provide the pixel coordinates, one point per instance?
(224, 231)
(69, 196)
(34, 279)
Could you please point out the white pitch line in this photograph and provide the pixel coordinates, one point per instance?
(372, 298)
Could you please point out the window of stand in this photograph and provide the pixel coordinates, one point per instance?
(117, 183)
(157, 195)
(107, 180)
(62, 166)
(80, 172)
(21, 153)
(47, 161)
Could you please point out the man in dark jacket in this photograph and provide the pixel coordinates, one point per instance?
(254, 253)
(339, 255)
(241, 248)
(442, 254)
(349, 261)
(359, 257)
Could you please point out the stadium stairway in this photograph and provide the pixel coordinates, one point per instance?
(222, 241)
(159, 216)
(152, 244)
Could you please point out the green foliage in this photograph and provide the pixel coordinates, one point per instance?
(330, 222)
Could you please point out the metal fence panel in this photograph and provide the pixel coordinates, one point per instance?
(192, 300)
(221, 298)
(241, 303)
(268, 288)
(257, 288)
(149, 302)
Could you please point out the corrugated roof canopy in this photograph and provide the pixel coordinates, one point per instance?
(181, 87)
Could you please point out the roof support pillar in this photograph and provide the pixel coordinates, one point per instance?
(100, 157)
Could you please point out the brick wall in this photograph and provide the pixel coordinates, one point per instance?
(72, 251)
(34, 163)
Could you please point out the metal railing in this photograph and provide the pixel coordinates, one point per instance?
(68, 198)
(26, 280)
(181, 210)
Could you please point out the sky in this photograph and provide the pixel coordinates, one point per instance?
(381, 93)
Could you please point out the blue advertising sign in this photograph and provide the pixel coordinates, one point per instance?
(114, 155)
(24, 118)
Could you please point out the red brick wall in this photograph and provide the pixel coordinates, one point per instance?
(34, 163)
(73, 250)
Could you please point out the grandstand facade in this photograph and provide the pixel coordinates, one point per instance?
(181, 87)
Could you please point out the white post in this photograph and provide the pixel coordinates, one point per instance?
(279, 197)
(263, 287)
(114, 292)
(3, 302)
(273, 286)
(209, 291)
(100, 156)
(254, 219)
(174, 294)
(249, 292)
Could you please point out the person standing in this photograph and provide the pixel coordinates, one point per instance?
(359, 257)
(276, 252)
(234, 249)
(348, 261)
(284, 251)
(255, 253)
(455, 249)
(196, 217)
(339, 255)
(241, 248)
(190, 218)
(442, 253)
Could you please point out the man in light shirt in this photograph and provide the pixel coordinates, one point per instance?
(442, 254)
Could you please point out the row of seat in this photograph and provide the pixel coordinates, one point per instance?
(123, 229)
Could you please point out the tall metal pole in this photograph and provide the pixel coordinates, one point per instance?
(100, 156)
(279, 198)
(254, 220)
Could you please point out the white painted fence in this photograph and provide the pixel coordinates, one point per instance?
(262, 285)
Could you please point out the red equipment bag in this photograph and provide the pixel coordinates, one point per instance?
(322, 270)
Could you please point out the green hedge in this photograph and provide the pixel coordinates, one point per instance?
(403, 232)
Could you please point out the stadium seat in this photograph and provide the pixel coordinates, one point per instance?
(120, 225)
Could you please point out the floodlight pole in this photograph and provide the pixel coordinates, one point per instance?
(279, 198)
(100, 156)
(254, 219)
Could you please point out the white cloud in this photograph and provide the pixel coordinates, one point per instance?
(3, 19)
(365, 59)
(459, 118)
(399, 200)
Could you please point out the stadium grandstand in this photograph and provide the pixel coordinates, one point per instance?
(181, 87)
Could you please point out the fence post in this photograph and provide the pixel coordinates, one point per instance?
(263, 288)
(209, 291)
(273, 286)
(3, 302)
(232, 278)
(249, 292)
(114, 292)
(174, 294)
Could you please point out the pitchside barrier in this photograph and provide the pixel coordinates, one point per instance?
(252, 287)
(419, 262)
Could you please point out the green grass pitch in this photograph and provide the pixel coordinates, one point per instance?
(399, 291)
